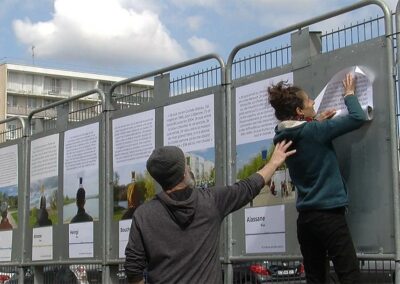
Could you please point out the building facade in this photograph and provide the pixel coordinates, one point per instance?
(26, 88)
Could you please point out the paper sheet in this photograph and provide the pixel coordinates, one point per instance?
(331, 96)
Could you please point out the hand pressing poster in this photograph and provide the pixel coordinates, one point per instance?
(331, 97)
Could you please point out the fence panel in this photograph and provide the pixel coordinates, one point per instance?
(316, 70)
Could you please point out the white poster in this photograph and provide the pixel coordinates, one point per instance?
(8, 166)
(133, 143)
(331, 97)
(42, 243)
(43, 209)
(124, 228)
(81, 174)
(9, 187)
(265, 229)
(265, 243)
(5, 245)
(81, 240)
(133, 138)
(190, 124)
(44, 157)
(255, 118)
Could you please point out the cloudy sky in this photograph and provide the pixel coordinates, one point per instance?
(133, 36)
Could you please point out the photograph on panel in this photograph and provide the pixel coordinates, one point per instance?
(255, 128)
(43, 209)
(81, 197)
(81, 174)
(202, 167)
(253, 156)
(132, 186)
(43, 202)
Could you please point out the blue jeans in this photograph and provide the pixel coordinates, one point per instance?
(322, 234)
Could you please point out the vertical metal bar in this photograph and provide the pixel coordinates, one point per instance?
(394, 143)
(326, 42)
(365, 32)
(107, 194)
(371, 27)
(378, 25)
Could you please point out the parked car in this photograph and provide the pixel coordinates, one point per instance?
(268, 271)
(7, 277)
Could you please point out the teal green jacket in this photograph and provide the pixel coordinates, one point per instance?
(314, 168)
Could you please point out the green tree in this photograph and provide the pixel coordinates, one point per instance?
(150, 186)
(256, 163)
(116, 178)
(53, 200)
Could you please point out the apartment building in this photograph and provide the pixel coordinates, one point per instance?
(26, 88)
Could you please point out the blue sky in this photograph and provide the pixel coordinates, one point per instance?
(129, 37)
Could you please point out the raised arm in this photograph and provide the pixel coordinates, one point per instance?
(331, 128)
(233, 197)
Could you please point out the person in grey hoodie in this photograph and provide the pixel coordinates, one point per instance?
(321, 192)
(175, 236)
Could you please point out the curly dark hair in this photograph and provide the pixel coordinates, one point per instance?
(284, 98)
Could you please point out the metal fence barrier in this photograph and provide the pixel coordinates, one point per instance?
(378, 269)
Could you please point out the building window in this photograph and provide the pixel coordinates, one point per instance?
(11, 131)
(52, 85)
(32, 103)
(12, 101)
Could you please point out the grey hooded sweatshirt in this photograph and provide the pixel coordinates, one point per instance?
(178, 241)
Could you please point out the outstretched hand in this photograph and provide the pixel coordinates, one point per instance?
(349, 85)
(281, 153)
(327, 114)
(278, 157)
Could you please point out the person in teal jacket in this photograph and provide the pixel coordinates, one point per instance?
(321, 192)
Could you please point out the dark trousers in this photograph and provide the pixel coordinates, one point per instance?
(322, 234)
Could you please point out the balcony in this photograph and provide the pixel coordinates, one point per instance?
(21, 110)
(54, 92)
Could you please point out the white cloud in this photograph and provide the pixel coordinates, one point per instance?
(152, 5)
(194, 22)
(200, 3)
(201, 45)
(275, 15)
(101, 32)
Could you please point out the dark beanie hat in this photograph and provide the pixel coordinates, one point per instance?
(167, 166)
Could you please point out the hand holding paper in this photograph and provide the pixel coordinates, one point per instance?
(349, 84)
(326, 114)
(355, 82)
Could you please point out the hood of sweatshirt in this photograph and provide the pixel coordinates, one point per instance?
(182, 212)
(288, 130)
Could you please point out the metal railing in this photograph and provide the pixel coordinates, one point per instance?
(202, 79)
(85, 113)
(353, 34)
(50, 122)
(135, 99)
(7, 134)
(262, 61)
